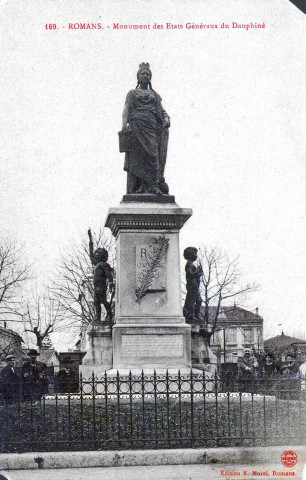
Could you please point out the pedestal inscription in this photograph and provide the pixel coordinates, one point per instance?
(152, 345)
(145, 255)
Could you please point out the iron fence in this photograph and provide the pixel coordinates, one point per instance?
(157, 411)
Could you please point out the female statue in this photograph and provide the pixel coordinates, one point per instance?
(147, 122)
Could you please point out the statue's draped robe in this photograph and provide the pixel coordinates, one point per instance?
(146, 160)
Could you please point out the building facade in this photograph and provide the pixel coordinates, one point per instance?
(10, 342)
(283, 345)
(237, 329)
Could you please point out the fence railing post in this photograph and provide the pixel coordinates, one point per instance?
(168, 405)
(180, 405)
(155, 410)
(143, 427)
(94, 408)
(216, 407)
(81, 409)
(106, 404)
(228, 413)
(191, 408)
(118, 407)
(131, 407)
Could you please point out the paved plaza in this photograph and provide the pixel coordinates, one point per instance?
(165, 472)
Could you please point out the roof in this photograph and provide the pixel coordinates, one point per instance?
(281, 342)
(234, 316)
(4, 330)
(46, 355)
(73, 353)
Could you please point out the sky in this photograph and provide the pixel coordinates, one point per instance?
(236, 155)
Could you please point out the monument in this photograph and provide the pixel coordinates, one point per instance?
(148, 331)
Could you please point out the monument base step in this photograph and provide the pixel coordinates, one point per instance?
(124, 372)
(98, 370)
(148, 373)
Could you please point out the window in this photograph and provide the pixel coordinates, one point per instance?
(216, 338)
(229, 357)
(248, 335)
(230, 335)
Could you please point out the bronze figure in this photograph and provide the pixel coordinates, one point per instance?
(144, 137)
(193, 299)
(103, 276)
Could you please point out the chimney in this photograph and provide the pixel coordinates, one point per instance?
(256, 310)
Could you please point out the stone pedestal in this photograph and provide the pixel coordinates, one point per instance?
(100, 353)
(202, 356)
(150, 332)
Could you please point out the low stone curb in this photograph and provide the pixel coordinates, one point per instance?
(125, 458)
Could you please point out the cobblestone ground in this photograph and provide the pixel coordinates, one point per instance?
(168, 472)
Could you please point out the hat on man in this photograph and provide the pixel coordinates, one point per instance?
(33, 353)
(269, 354)
(284, 366)
(9, 356)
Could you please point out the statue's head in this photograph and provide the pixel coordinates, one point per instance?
(100, 255)
(144, 71)
(191, 253)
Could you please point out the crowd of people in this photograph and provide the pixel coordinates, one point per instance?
(29, 385)
(257, 365)
(284, 377)
(31, 382)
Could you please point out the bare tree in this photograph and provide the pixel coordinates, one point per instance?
(222, 283)
(73, 284)
(41, 316)
(14, 272)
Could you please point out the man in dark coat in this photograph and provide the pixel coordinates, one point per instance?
(9, 381)
(33, 377)
(247, 364)
(269, 366)
(247, 370)
(292, 366)
(290, 383)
